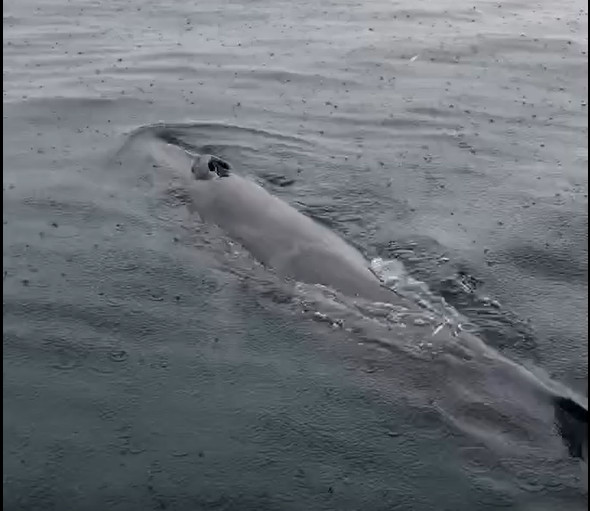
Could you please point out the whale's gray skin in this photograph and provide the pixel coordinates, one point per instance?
(295, 246)
(278, 235)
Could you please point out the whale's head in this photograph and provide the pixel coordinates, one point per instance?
(207, 166)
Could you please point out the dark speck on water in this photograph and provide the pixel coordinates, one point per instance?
(150, 362)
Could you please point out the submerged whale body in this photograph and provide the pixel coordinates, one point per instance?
(295, 246)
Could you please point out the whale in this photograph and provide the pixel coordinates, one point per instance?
(297, 247)
(278, 235)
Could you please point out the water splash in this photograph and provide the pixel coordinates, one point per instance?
(394, 275)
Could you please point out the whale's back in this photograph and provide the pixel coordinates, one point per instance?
(281, 237)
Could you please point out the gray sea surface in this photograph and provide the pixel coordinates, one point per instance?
(151, 363)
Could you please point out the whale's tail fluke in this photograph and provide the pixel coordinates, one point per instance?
(572, 421)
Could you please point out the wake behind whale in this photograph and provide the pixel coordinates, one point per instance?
(296, 247)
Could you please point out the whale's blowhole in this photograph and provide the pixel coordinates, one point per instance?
(207, 166)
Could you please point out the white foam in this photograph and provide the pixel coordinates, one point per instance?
(394, 275)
